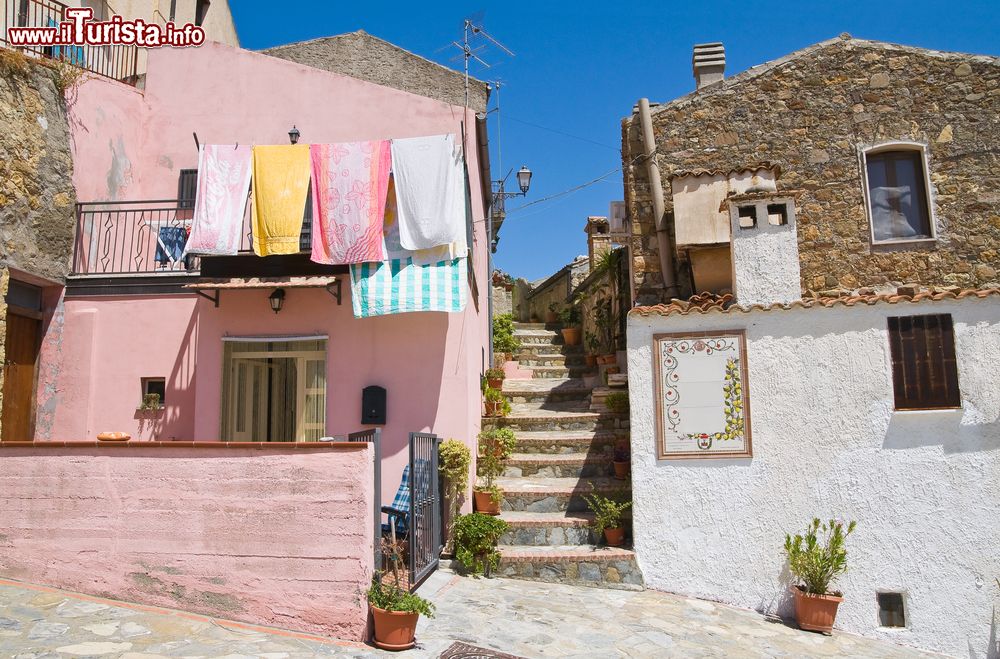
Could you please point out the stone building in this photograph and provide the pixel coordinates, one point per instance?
(882, 159)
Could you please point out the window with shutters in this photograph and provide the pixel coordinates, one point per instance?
(924, 368)
(187, 188)
(898, 203)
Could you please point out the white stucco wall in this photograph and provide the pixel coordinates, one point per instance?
(923, 486)
(765, 257)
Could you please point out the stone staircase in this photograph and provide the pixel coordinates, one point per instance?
(562, 448)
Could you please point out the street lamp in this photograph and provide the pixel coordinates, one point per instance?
(500, 196)
(524, 179)
(293, 135)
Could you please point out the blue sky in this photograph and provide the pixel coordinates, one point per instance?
(579, 67)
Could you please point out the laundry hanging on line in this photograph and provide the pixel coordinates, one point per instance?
(280, 186)
(221, 198)
(349, 186)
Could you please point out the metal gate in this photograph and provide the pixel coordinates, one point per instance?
(425, 507)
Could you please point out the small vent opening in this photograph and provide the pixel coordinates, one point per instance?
(748, 217)
(890, 610)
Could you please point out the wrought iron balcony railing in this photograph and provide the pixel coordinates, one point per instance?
(118, 62)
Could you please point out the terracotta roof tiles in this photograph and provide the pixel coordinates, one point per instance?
(705, 303)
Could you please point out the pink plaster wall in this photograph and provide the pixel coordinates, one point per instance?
(130, 145)
(261, 534)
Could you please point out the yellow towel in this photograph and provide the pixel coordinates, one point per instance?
(280, 185)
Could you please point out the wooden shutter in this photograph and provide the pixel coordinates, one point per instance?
(924, 368)
(187, 188)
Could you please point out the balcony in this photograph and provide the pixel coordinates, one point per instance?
(117, 62)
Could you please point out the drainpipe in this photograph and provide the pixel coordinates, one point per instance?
(656, 190)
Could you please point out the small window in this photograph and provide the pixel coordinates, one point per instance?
(890, 610)
(156, 386)
(748, 217)
(777, 214)
(24, 295)
(924, 368)
(897, 195)
(187, 188)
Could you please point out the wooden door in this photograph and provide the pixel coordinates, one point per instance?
(18, 418)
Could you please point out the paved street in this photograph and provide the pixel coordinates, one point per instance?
(517, 617)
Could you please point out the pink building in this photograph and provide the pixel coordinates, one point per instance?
(202, 333)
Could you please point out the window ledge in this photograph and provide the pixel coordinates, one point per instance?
(151, 409)
(894, 245)
(932, 410)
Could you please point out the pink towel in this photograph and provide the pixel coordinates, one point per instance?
(349, 184)
(220, 204)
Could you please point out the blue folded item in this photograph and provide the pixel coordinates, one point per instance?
(170, 244)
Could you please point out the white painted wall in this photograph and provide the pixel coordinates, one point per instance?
(923, 486)
(765, 257)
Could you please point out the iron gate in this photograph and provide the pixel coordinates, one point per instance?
(425, 507)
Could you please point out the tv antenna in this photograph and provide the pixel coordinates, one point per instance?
(475, 40)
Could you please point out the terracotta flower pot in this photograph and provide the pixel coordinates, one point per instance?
(606, 359)
(551, 317)
(614, 537)
(493, 407)
(571, 336)
(485, 503)
(621, 470)
(815, 613)
(394, 630)
(612, 370)
(113, 437)
(591, 360)
(495, 383)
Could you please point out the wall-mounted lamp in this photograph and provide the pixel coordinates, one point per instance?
(293, 136)
(524, 178)
(277, 298)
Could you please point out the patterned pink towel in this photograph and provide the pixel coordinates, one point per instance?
(220, 204)
(349, 184)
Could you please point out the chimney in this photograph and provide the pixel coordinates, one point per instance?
(709, 63)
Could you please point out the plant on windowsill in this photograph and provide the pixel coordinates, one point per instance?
(496, 403)
(816, 558)
(150, 403)
(495, 377)
(569, 317)
(454, 460)
(395, 610)
(495, 446)
(476, 537)
(607, 517)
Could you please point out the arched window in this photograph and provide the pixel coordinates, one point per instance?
(899, 206)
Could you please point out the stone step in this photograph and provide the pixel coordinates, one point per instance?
(540, 419)
(556, 442)
(607, 567)
(553, 359)
(531, 350)
(539, 338)
(550, 495)
(527, 327)
(540, 390)
(546, 529)
(559, 465)
(556, 372)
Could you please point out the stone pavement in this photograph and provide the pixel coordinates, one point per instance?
(518, 617)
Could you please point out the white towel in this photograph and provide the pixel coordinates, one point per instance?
(430, 191)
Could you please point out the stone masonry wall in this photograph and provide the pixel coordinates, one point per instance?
(363, 56)
(36, 169)
(809, 114)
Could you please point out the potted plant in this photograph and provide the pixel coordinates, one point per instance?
(617, 402)
(150, 402)
(551, 316)
(504, 341)
(593, 345)
(816, 558)
(395, 610)
(495, 446)
(495, 377)
(607, 517)
(476, 537)
(454, 460)
(621, 460)
(496, 403)
(569, 316)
